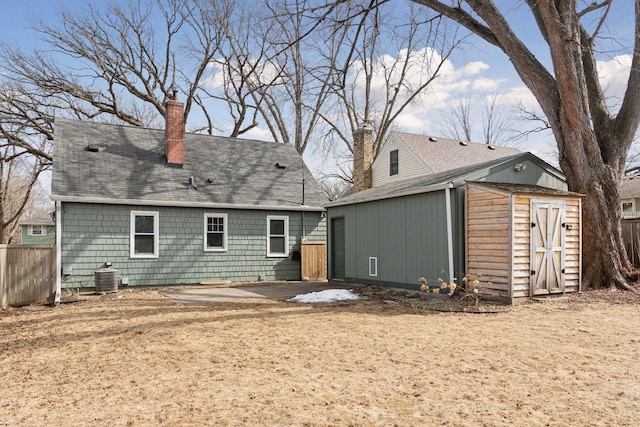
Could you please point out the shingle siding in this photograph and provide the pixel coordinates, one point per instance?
(94, 234)
(408, 164)
(47, 239)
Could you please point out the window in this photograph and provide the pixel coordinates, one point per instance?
(37, 230)
(277, 236)
(628, 209)
(373, 266)
(393, 162)
(215, 232)
(144, 234)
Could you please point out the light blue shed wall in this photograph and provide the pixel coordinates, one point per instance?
(93, 234)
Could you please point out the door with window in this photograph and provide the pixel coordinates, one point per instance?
(547, 247)
(337, 249)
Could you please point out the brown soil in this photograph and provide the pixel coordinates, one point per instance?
(139, 358)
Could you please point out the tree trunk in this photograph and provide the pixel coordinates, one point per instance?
(604, 254)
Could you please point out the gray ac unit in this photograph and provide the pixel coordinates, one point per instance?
(106, 280)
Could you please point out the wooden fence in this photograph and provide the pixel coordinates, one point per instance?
(314, 261)
(631, 237)
(27, 274)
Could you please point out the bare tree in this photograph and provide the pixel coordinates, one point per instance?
(498, 122)
(457, 122)
(375, 87)
(593, 143)
(19, 173)
(289, 91)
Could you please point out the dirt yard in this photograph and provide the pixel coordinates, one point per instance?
(138, 358)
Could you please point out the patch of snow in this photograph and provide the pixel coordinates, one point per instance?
(330, 295)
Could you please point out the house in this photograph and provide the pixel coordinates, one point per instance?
(399, 230)
(406, 155)
(163, 207)
(38, 231)
(630, 196)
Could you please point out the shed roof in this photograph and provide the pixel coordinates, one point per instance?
(527, 189)
(129, 167)
(436, 181)
(441, 154)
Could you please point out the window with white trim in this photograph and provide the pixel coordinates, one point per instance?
(215, 232)
(37, 230)
(373, 266)
(628, 209)
(277, 236)
(393, 162)
(144, 234)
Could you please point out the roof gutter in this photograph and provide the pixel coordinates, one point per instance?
(421, 190)
(190, 204)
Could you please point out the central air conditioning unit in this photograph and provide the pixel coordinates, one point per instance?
(106, 280)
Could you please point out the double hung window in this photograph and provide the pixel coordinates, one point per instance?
(144, 234)
(215, 232)
(277, 236)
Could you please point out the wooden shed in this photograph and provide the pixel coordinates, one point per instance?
(523, 240)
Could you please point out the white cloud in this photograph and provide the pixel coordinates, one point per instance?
(614, 75)
(261, 134)
(484, 84)
(520, 95)
(473, 68)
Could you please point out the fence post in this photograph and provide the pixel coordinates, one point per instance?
(3, 276)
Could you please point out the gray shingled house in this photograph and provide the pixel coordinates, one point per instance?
(163, 207)
(426, 223)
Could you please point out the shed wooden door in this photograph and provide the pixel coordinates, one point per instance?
(337, 249)
(547, 247)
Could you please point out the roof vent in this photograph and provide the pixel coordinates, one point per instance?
(491, 147)
(192, 183)
(93, 148)
(463, 143)
(432, 139)
(280, 166)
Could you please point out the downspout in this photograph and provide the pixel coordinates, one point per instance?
(447, 193)
(58, 252)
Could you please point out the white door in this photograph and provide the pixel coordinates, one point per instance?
(547, 247)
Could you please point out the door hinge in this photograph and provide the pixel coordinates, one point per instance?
(533, 225)
(533, 272)
(563, 271)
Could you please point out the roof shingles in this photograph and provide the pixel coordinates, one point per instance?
(130, 165)
(442, 154)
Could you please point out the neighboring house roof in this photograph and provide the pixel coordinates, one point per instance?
(39, 220)
(441, 154)
(437, 181)
(129, 167)
(630, 187)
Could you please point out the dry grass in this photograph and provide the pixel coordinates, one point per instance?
(138, 358)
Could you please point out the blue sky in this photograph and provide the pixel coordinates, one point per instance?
(478, 65)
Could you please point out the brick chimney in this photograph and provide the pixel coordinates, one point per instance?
(174, 130)
(362, 158)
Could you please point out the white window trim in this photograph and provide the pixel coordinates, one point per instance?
(286, 236)
(631, 214)
(397, 163)
(156, 234)
(373, 266)
(224, 233)
(43, 230)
